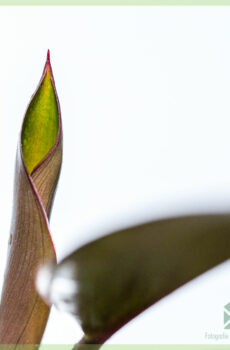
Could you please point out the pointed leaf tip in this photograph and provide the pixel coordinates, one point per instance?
(41, 122)
(48, 55)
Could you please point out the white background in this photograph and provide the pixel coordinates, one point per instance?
(145, 99)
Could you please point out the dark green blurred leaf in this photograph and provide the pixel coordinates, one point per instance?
(109, 281)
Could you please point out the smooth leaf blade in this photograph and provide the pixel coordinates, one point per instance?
(120, 275)
(41, 123)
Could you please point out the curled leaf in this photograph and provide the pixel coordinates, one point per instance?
(111, 280)
(41, 123)
(23, 314)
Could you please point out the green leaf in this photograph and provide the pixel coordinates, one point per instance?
(111, 280)
(23, 313)
(40, 127)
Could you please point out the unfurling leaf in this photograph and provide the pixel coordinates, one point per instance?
(111, 280)
(23, 314)
(40, 126)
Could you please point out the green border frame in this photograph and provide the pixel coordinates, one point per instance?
(118, 347)
(114, 347)
(119, 3)
(116, 2)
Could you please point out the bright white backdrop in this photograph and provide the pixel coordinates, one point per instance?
(145, 99)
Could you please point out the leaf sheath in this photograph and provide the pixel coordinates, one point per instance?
(23, 314)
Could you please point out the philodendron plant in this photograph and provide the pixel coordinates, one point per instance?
(107, 282)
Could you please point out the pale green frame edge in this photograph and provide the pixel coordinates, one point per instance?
(122, 3)
(116, 2)
(120, 347)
